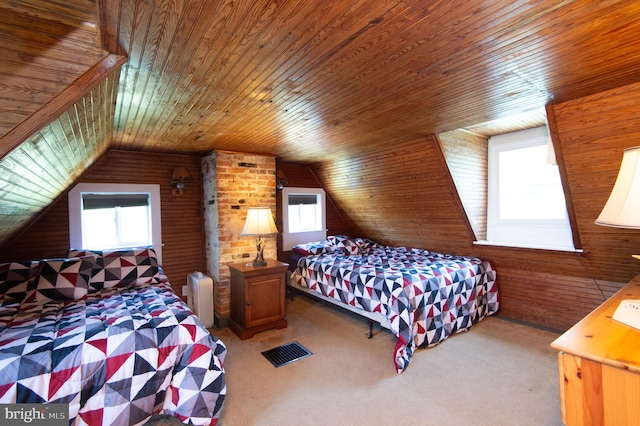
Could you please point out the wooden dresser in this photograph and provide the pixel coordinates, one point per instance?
(257, 298)
(599, 367)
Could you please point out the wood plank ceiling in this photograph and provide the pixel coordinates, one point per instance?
(315, 81)
(310, 81)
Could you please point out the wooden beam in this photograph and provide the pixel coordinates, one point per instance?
(48, 112)
(109, 22)
(557, 148)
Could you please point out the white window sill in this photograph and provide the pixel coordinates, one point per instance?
(527, 246)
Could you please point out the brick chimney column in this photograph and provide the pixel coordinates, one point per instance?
(232, 182)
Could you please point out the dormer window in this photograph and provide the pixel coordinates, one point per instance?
(526, 204)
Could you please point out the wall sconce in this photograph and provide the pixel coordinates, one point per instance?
(178, 178)
(281, 180)
(259, 222)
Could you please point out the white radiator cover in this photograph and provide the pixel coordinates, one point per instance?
(200, 297)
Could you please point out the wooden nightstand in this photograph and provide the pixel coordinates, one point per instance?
(257, 298)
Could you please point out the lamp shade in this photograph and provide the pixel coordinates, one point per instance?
(181, 174)
(259, 222)
(622, 209)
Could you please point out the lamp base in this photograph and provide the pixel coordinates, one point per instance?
(259, 260)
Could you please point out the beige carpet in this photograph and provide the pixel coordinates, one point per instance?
(498, 373)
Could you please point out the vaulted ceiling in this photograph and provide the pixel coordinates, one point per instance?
(304, 80)
(312, 80)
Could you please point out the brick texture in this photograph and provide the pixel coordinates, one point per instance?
(233, 182)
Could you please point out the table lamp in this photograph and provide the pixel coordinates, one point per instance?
(259, 223)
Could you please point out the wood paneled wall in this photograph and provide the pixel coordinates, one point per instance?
(302, 176)
(182, 230)
(467, 156)
(404, 195)
(592, 133)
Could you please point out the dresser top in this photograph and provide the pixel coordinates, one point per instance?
(601, 338)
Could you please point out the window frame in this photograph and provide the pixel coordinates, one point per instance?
(554, 234)
(290, 239)
(75, 209)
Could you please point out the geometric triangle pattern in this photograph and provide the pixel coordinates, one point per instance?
(122, 267)
(426, 296)
(16, 278)
(64, 279)
(118, 355)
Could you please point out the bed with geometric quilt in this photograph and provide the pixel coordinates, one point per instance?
(425, 296)
(104, 332)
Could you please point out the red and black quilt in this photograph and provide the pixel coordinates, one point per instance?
(426, 296)
(116, 356)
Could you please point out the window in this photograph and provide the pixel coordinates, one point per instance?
(107, 216)
(526, 200)
(116, 220)
(304, 216)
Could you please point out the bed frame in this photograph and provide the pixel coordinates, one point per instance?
(371, 317)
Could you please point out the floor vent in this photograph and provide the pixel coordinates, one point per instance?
(286, 354)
